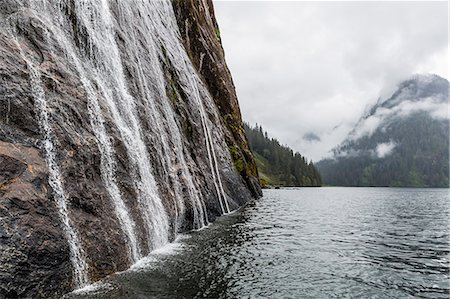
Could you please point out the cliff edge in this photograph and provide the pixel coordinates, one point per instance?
(119, 128)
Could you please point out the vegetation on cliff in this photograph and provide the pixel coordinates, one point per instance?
(278, 165)
(201, 37)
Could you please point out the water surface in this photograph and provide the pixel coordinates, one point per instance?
(307, 243)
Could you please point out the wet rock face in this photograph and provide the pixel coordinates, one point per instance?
(201, 37)
(34, 252)
(11, 169)
(33, 249)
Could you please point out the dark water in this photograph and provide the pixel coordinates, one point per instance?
(308, 243)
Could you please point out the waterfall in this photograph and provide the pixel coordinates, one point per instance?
(107, 161)
(171, 133)
(166, 30)
(109, 76)
(132, 133)
(76, 251)
(153, 117)
(97, 60)
(108, 171)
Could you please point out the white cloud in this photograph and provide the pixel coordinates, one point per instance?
(314, 67)
(384, 149)
(368, 126)
(435, 107)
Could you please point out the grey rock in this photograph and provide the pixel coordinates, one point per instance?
(34, 254)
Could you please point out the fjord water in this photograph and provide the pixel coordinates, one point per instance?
(307, 243)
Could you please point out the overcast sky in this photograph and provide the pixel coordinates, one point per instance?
(306, 71)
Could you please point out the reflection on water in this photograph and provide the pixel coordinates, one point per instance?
(307, 243)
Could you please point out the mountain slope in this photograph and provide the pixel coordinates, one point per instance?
(278, 165)
(402, 141)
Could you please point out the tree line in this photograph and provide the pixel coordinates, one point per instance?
(279, 164)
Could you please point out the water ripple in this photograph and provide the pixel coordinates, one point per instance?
(311, 243)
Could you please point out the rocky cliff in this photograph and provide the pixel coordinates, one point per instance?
(119, 128)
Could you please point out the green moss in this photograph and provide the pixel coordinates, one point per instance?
(171, 92)
(217, 33)
(240, 153)
(242, 166)
(263, 182)
(234, 124)
(237, 159)
(164, 51)
(239, 164)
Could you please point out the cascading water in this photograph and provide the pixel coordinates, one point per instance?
(108, 171)
(76, 251)
(153, 116)
(86, 32)
(96, 18)
(171, 133)
(163, 21)
(107, 161)
(144, 144)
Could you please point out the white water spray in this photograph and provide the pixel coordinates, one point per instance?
(96, 18)
(166, 29)
(97, 59)
(171, 140)
(107, 161)
(76, 251)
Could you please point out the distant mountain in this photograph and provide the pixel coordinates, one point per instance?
(278, 165)
(401, 141)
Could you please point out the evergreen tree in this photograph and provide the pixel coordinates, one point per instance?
(278, 164)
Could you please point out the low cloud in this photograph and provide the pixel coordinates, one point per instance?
(384, 149)
(311, 137)
(436, 107)
(302, 67)
(347, 154)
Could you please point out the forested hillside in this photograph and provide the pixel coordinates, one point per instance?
(408, 145)
(278, 165)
